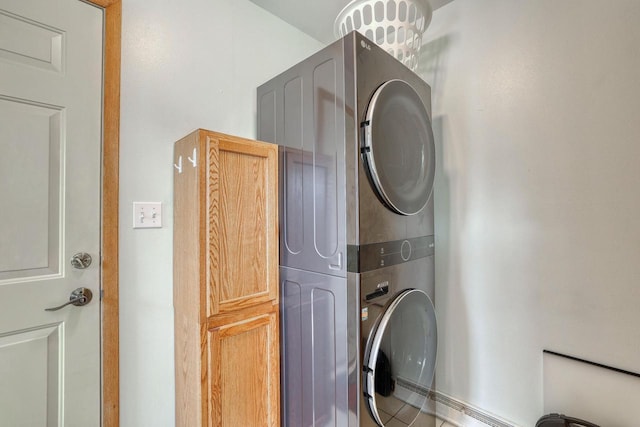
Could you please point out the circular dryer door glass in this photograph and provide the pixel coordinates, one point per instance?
(398, 147)
(400, 358)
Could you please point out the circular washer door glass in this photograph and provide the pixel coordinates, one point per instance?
(398, 147)
(400, 358)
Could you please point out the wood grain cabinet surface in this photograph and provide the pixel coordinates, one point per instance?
(226, 281)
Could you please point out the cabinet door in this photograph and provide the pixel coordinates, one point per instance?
(244, 373)
(243, 216)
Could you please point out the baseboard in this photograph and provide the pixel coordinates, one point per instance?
(447, 408)
(463, 414)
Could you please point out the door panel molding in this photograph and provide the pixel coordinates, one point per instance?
(37, 350)
(110, 191)
(41, 260)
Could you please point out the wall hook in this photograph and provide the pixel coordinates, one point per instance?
(179, 165)
(193, 160)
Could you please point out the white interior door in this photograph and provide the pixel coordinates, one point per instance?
(50, 156)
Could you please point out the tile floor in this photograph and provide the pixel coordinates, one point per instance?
(447, 415)
(403, 414)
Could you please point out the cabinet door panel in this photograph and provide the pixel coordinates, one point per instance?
(244, 374)
(244, 185)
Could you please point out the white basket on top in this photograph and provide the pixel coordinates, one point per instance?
(395, 25)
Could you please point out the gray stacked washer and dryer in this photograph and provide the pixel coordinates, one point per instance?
(357, 162)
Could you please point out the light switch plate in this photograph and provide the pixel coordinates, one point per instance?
(147, 215)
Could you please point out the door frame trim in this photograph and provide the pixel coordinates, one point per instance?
(110, 193)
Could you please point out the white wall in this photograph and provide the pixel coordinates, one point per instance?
(536, 114)
(185, 64)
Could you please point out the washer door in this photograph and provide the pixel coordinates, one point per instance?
(400, 357)
(398, 148)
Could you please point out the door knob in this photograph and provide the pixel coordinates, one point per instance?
(79, 297)
(81, 260)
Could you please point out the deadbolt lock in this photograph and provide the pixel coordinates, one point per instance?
(81, 260)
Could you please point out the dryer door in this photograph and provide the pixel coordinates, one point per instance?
(400, 358)
(398, 148)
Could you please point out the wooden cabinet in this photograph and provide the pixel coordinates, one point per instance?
(226, 281)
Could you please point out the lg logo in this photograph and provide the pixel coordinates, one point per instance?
(365, 45)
